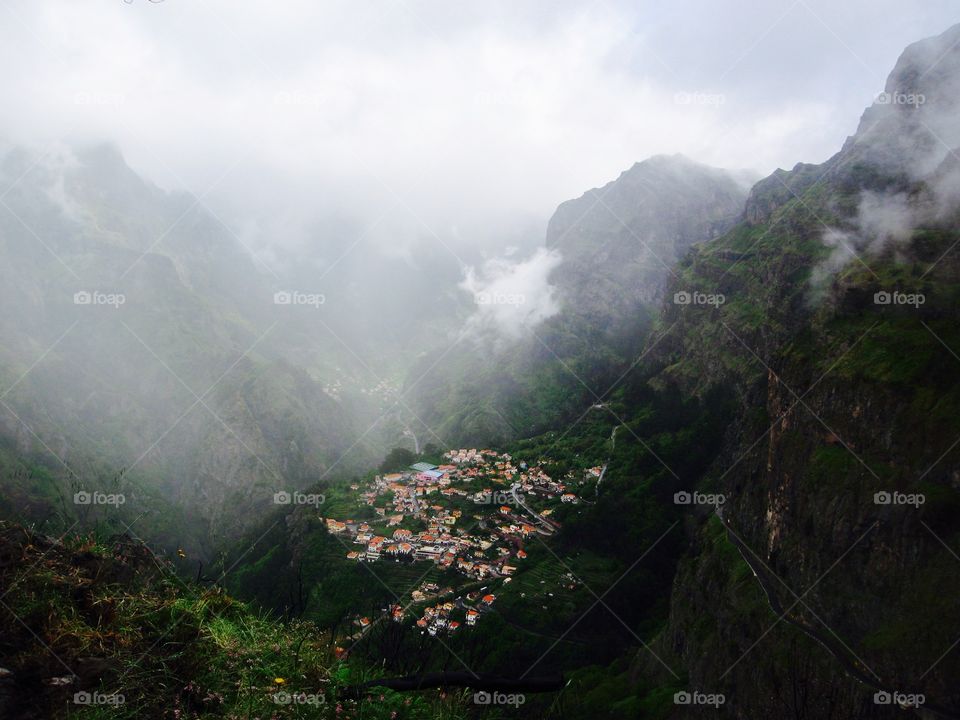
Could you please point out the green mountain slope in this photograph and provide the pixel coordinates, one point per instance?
(103, 628)
(617, 246)
(845, 391)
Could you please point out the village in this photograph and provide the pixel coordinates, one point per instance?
(470, 515)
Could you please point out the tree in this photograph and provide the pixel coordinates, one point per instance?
(397, 459)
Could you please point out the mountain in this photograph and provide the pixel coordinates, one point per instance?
(766, 479)
(829, 573)
(776, 525)
(139, 340)
(620, 242)
(617, 246)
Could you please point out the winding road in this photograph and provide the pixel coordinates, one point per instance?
(550, 527)
(603, 470)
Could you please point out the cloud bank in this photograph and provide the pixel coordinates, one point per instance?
(431, 120)
(510, 296)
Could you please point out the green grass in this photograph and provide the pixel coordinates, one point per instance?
(169, 648)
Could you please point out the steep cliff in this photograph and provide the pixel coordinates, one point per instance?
(617, 247)
(831, 572)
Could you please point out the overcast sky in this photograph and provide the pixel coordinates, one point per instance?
(456, 120)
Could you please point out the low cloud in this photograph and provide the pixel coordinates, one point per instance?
(511, 295)
(884, 219)
(283, 114)
(906, 135)
(884, 222)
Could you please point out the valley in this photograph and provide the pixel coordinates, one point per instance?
(690, 446)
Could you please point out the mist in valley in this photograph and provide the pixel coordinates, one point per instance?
(253, 249)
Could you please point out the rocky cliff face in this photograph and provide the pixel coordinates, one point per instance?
(839, 336)
(618, 245)
(620, 242)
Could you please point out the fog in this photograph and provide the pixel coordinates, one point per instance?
(463, 125)
(912, 131)
(386, 169)
(511, 296)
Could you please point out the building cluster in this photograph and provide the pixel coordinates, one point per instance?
(440, 617)
(469, 515)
